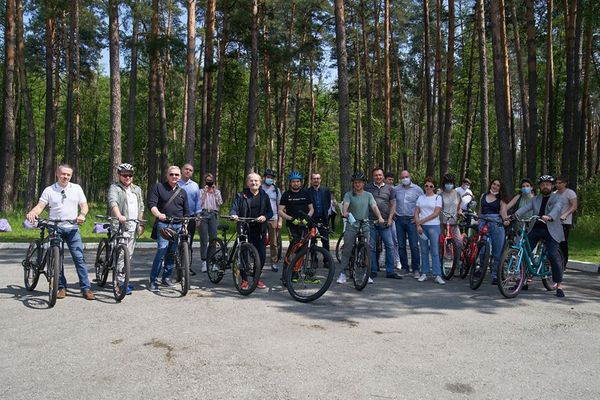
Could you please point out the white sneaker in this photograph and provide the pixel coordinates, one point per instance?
(370, 280)
(422, 278)
(203, 263)
(342, 278)
(399, 266)
(416, 275)
(439, 280)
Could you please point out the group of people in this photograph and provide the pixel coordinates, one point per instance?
(401, 214)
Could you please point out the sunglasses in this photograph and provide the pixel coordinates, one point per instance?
(173, 174)
(127, 176)
(64, 195)
(428, 186)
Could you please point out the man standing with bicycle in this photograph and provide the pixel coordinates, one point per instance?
(126, 201)
(62, 199)
(357, 204)
(275, 222)
(547, 206)
(321, 200)
(194, 203)
(166, 199)
(407, 194)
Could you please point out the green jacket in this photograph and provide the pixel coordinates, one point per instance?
(117, 197)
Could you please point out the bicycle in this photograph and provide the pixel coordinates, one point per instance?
(45, 256)
(113, 255)
(359, 265)
(182, 254)
(243, 258)
(482, 258)
(520, 261)
(469, 251)
(339, 248)
(309, 269)
(449, 256)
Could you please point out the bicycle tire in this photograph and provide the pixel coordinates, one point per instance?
(511, 274)
(279, 246)
(101, 263)
(31, 265)
(361, 267)
(216, 260)
(339, 248)
(448, 258)
(465, 265)
(53, 272)
(247, 262)
(309, 277)
(182, 263)
(480, 267)
(120, 278)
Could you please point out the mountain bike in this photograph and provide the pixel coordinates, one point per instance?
(520, 261)
(469, 251)
(449, 256)
(243, 258)
(113, 255)
(45, 256)
(179, 234)
(359, 265)
(482, 258)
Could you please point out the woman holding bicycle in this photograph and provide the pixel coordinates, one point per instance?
(451, 202)
(493, 206)
(427, 211)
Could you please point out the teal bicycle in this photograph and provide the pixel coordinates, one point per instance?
(520, 262)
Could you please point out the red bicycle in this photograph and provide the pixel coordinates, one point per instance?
(449, 256)
(470, 237)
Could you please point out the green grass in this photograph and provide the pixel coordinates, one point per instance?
(584, 240)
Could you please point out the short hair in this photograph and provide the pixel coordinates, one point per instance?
(253, 173)
(188, 164)
(209, 175)
(562, 178)
(63, 165)
(466, 180)
(429, 179)
(312, 175)
(388, 175)
(376, 169)
(172, 167)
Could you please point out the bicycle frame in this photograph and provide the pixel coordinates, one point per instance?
(533, 263)
(53, 239)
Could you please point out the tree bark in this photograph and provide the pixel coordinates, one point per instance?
(115, 89)
(220, 84)
(428, 93)
(207, 87)
(445, 159)
(190, 125)
(484, 163)
(548, 159)
(438, 84)
(154, 52)
(343, 96)
(532, 83)
(387, 163)
(133, 76)
(368, 87)
(250, 158)
(49, 121)
(586, 117)
(466, 156)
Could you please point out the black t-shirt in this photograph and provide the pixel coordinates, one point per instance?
(296, 203)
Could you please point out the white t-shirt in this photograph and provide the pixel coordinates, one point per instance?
(427, 205)
(568, 195)
(466, 197)
(63, 203)
(132, 207)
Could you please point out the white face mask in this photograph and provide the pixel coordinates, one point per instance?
(406, 181)
(495, 193)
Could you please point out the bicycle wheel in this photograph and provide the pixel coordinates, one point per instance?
(120, 268)
(310, 274)
(511, 274)
(279, 246)
(246, 269)
(31, 264)
(216, 260)
(465, 258)
(53, 271)
(448, 258)
(480, 267)
(339, 247)
(361, 267)
(101, 263)
(182, 264)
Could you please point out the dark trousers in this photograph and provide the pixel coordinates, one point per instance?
(332, 222)
(552, 247)
(324, 231)
(564, 245)
(257, 239)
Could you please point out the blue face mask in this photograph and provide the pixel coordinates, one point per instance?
(269, 181)
(448, 187)
(526, 190)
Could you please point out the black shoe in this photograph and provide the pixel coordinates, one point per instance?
(373, 274)
(525, 287)
(494, 281)
(560, 293)
(393, 275)
(192, 273)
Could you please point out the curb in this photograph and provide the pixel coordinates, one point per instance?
(94, 245)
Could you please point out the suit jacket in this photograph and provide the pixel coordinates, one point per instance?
(326, 201)
(553, 209)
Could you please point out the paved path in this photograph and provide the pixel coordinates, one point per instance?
(395, 340)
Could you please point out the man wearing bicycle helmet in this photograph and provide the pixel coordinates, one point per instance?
(126, 201)
(547, 206)
(295, 203)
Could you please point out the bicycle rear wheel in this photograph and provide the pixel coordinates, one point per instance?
(339, 247)
(448, 258)
(480, 267)
(182, 264)
(101, 263)
(53, 271)
(120, 268)
(246, 269)
(361, 267)
(31, 264)
(216, 260)
(511, 274)
(310, 274)
(465, 264)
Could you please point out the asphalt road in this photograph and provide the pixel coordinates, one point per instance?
(395, 340)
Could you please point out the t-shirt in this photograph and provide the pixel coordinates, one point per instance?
(359, 205)
(132, 207)
(274, 197)
(62, 202)
(296, 203)
(427, 205)
(450, 201)
(383, 195)
(466, 197)
(568, 195)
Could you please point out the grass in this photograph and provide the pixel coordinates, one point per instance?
(584, 240)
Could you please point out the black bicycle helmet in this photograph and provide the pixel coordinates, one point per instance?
(359, 176)
(125, 167)
(295, 175)
(168, 234)
(269, 172)
(546, 178)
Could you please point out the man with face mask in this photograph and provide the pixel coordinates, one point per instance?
(547, 206)
(407, 194)
(273, 224)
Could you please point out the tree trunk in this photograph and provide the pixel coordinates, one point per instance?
(154, 51)
(75, 146)
(311, 154)
(220, 83)
(428, 94)
(49, 124)
(586, 117)
(532, 81)
(249, 164)
(115, 89)
(484, 163)
(438, 83)
(445, 159)
(190, 125)
(343, 96)
(368, 87)
(466, 155)
(69, 56)
(387, 163)
(207, 86)
(133, 75)
(548, 159)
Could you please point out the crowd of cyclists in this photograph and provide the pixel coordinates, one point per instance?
(399, 220)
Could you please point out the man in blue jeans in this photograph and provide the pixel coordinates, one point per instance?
(407, 194)
(385, 198)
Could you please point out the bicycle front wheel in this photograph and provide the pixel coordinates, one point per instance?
(31, 264)
(310, 274)
(101, 263)
(511, 274)
(339, 248)
(216, 260)
(246, 269)
(480, 267)
(448, 258)
(120, 278)
(53, 271)
(361, 267)
(182, 263)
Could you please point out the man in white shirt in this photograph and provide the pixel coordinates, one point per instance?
(566, 214)
(63, 199)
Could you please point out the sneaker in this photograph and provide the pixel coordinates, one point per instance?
(313, 281)
(439, 280)
(89, 295)
(129, 289)
(154, 287)
(422, 278)
(261, 284)
(399, 267)
(62, 293)
(168, 282)
(373, 275)
(416, 274)
(560, 293)
(203, 264)
(393, 275)
(193, 273)
(370, 280)
(274, 267)
(342, 278)
(244, 285)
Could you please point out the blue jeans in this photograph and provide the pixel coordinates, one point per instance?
(405, 226)
(496, 235)
(163, 248)
(73, 241)
(377, 230)
(431, 246)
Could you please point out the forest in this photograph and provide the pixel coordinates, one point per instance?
(479, 88)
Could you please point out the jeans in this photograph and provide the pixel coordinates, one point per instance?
(431, 246)
(72, 239)
(405, 227)
(349, 236)
(552, 246)
(164, 251)
(385, 232)
(208, 231)
(395, 242)
(496, 235)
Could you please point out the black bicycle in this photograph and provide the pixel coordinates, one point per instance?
(243, 258)
(359, 265)
(177, 231)
(45, 256)
(113, 255)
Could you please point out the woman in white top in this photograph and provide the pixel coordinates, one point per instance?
(427, 211)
